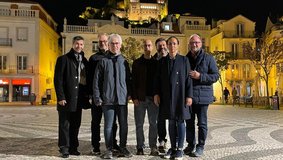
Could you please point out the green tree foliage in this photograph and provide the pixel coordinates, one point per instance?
(131, 49)
(222, 60)
(264, 55)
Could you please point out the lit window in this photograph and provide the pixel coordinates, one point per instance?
(166, 27)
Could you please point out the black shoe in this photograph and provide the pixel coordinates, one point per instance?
(124, 152)
(140, 151)
(116, 147)
(65, 155)
(64, 152)
(198, 152)
(189, 150)
(96, 151)
(74, 152)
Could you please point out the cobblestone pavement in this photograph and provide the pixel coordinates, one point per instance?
(235, 133)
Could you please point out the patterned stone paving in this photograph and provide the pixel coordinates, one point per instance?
(235, 133)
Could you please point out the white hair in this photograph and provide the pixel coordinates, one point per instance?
(110, 38)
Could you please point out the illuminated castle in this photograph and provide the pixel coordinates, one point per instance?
(140, 10)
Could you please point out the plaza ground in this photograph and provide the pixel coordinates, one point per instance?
(30, 132)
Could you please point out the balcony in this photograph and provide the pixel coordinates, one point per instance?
(5, 42)
(197, 27)
(80, 29)
(144, 31)
(234, 34)
(19, 12)
(13, 69)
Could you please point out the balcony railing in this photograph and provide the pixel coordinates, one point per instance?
(93, 29)
(80, 29)
(19, 12)
(13, 69)
(144, 31)
(197, 27)
(5, 42)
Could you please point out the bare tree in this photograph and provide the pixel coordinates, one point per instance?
(264, 55)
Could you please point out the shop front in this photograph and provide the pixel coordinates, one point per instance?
(4, 90)
(21, 89)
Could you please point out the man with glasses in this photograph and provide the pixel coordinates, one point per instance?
(111, 91)
(204, 73)
(96, 111)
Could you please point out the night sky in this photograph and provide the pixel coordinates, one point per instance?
(255, 10)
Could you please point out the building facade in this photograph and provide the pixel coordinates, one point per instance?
(229, 36)
(29, 48)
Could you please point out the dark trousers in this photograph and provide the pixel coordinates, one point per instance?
(69, 125)
(161, 128)
(96, 114)
(199, 110)
(110, 113)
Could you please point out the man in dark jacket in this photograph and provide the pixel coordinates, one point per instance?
(142, 96)
(162, 51)
(111, 89)
(173, 91)
(96, 111)
(204, 73)
(70, 86)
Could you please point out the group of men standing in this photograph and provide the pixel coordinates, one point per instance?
(168, 86)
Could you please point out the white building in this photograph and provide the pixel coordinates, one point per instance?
(28, 51)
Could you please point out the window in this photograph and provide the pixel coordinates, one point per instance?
(240, 30)
(189, 22)
(235, 50)
(3, 62)
(196, 22)
(166, 27)
(246, 71)
(22, 62)
(22, 34)
(94, 46)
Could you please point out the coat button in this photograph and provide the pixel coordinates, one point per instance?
(177, 72)
(177, 83)
(76, 87)
(76, 77)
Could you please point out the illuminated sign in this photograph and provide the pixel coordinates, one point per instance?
(4, 81)
(21, 81)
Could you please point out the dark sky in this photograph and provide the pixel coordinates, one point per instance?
(255, 10)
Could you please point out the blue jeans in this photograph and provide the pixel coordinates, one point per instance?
(109, 116)
(96, 114)
(199, 110)
(152, 112)
(177, 134)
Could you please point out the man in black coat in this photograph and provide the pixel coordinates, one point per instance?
(71, 91)
(204, 73)
(162, 51)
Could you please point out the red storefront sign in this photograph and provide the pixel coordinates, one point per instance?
(21, 81)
